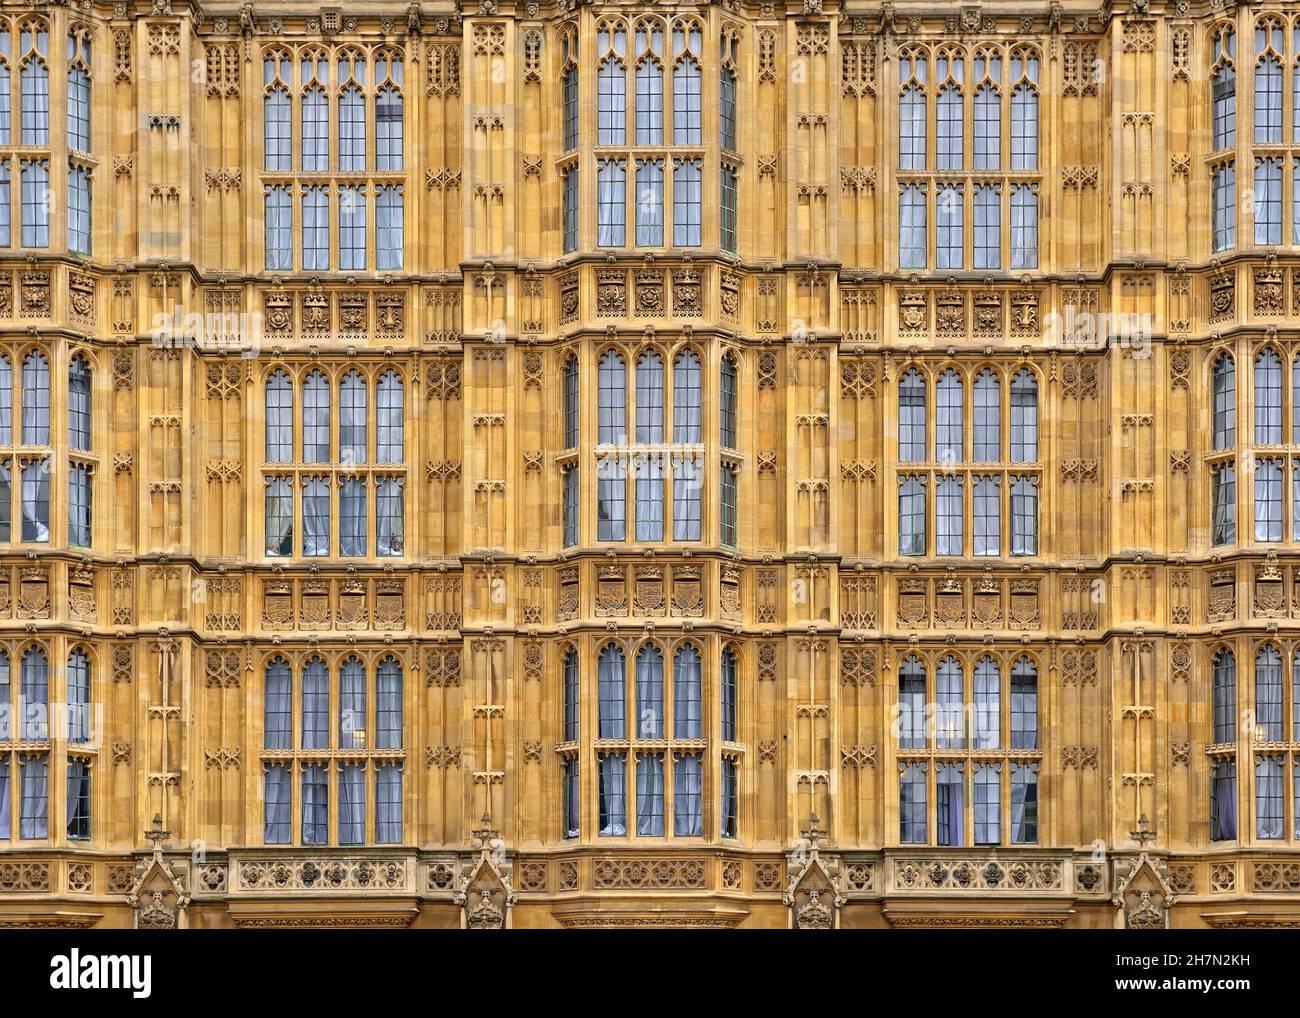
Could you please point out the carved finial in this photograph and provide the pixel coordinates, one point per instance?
(155, 835)
(1143, 835)
(813, 832)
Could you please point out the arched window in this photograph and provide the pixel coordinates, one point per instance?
(6, 91)
(688, 694)
(1024, 417)
(687, 44)
(390, 420)
(78, 697)
(35, 51)
(79, 404)
(988, 112)
(277, 722)
(911, 417)
(948, 426)
(1225, 402)
(571, 417)
(388, 705)
(912, 112)
(727, 405)
(650, 84)
(1269, 48)
(279, 418)
(911, 704)
(986, 731)
(316, 419)
(611, 681)
(950, 721)
(987, 413)
(1024, 110)
(36, 399)
(78, 90)
(650, 693)
(315, 228)
(352, 705)
(571, 698)
(686, 399)
(650, 397)
(389, 113)
(1268, 694)
(315, 705)
(727, 107)
(352, 113)
(949, 69)
(277, 130)
(352, 418)
(730, 693)
(612, 406)
(611, 85)
(1225, 697)
(1024, 704)
(1268, 398)
(6, 400)
(35, 695)
(569, 86)
(315, 114)
(1224, 88)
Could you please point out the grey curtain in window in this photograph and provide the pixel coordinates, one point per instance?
(650, 794)
(352, 804)
(686, 399)
(1224, 825)
(352, 419)
(1024, 803)
(34, 706)
(390, 446)
(315, 806)
(611, 203)
(688, 686)
(612, 795)
(390, 524)
(278, 803)
(36, 400)
(988, 705)
(650, 398)
(388, 706)
(1268, 797)
(279, 517)
(688, 793)
(950, 803)
(315, 705)
(650, 693)
(34, 822)
(611, 692)
(4, 800)
(388, 804)
(316, 517)
(352, 705)
(352, 517)
(276, 706)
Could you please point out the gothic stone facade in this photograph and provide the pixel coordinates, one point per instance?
(412, 710)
